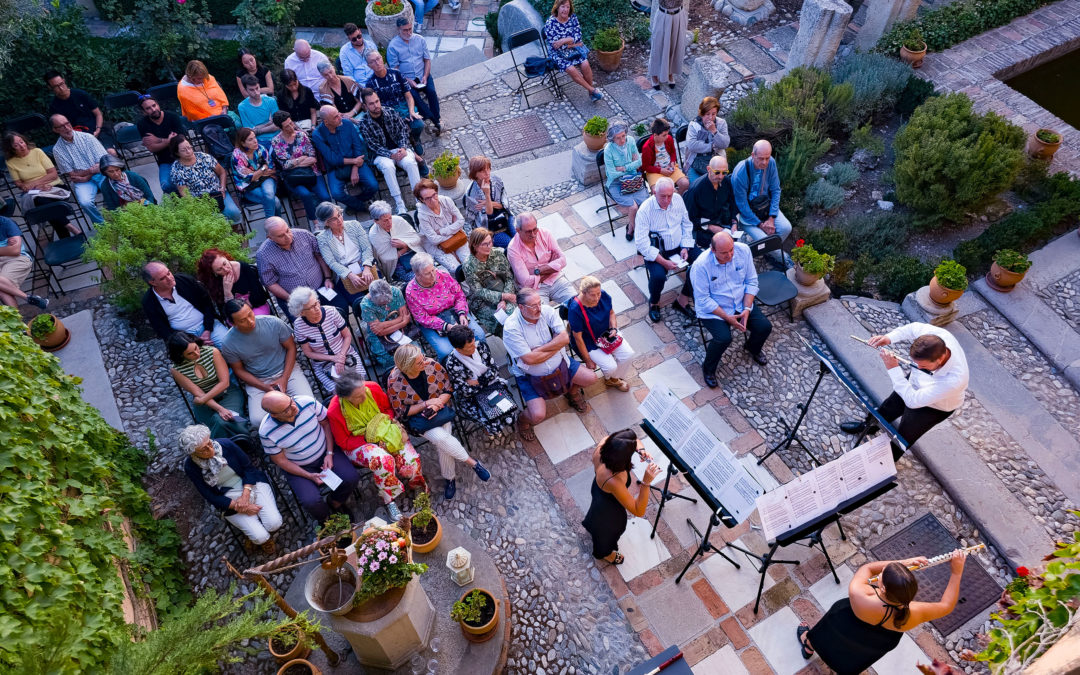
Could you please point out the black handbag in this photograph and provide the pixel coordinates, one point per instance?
(301, 176)
(761, 204)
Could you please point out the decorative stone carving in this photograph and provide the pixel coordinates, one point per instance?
(515, 17)
(821, 26)
(583, 165)
(935, 313)
(745, 12)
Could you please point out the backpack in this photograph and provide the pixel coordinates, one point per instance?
(217, 140)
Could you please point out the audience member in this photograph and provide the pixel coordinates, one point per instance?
(441, 225)
(353, 55)
(289, 259)
(226, 278)
(122, 187)
(725, 283)
(622, 164)
(394, 92)
(667, 41)
(567, 46)
(536, 341)
(250, 66)
(297, 100)
(387, 321)
(338, 91)
(225, 477)
(33, 171)
(595, 330)
(262, 353)
(344, 155)
(485, 203)
(157, 127)
(199, 93)
(200, 370)
(298, 166)
(478, 388)
(537, 261)
(324, 337)
(388, 141)
(296, 435)
(408, 53)
(394, 241)
(658, 157)
(77, 154)
(79, 108)
(253, 173)
(710, 204)
(304, 61)
(665, 239)
(755, 183)
(611, 499)
(490, 282)
(257, 111)
(706, 136)
(423, 7)
(197, 174)
(345, 249)
(436, 302)
(179, 302)
(419, 390)
(15, 265)
(362, 422)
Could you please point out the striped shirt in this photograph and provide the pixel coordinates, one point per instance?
(324, 337)
(303, 441)
(82, 153)
(299, 266)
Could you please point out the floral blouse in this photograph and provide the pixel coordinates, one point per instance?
(403, 396)
(460, 374)
(199, 178)
(487, 281)
(243, 167)
(426, 303)
(284, 152)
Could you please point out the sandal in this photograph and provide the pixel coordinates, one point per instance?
(617, 560)
(578, 402)
(526, 432)
(800, 632)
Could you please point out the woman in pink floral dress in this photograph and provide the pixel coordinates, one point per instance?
(437, 302)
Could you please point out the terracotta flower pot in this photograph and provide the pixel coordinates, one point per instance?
(1002, 280)
(449, 183)
(486, 627)
(54, 341)
(434, 542)
(594, 143)
(298, 666)
(299, 650)
(1040, 149)
(804, 278)
(383, 29)
(913, 58)
(942, 295)
(609, 61)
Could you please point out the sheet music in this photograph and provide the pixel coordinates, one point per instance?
(776, 516)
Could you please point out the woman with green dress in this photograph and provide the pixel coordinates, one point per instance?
(489, 281)
(200, 370)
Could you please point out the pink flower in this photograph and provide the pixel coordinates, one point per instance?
(393, 560)
(374, 565)
(382, 556)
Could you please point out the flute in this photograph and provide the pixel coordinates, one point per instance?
(938, 559)
(899, 358)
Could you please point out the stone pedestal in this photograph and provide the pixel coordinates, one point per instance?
(709, 76)
(745, 12)
(390, 641)
(808, 295)
(934, 313)
(881, 15)
(583, 165)
(515, 17)
(821, 26)
(459, 190)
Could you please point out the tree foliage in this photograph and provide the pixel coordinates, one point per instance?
(266, 27)
(877, 82)
(164, 35)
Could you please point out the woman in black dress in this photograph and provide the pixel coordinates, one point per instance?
(226, 278)
(861, 628)
(474, 377)
(611, 495)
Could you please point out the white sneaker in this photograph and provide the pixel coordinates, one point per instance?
(400, 207)
(395, 512)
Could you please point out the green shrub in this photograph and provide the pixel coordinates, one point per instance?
(915, 93)
(898, 275)
(332, 13)
(951, 160)
(796, 161)
(949, 25)
(266, 28)
(863, 138)
(829, 240)
(877, 235)
(824, 195)
(810, 260)
(445, 165)
(596, 126)
(804, 98)
(468, 609)
(175, 232)
(877, 81)
(607, 40)
(952, 275)
(843, 174)
(167, 35)
(596, 15)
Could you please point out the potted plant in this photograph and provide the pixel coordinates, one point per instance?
(384, 562)
(595, 133)
(478, 613)
(289, 642)
(913, 49)
(49, 332)
(445, 169)
(381, 17)
(810, 266)
(426, 529)
(1008, 269)
(948, 283)
(1043, 144)
(608, 46)
(299, 667)
(338, 524)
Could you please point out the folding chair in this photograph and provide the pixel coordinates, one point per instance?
(774, 288)
(129, 143)
(165, 95)
(525, 80)
(609, 201)
(680, 138)
(123, 99)
(34, 126)
(63, 253)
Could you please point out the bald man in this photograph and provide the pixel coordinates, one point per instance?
(710, 203)
(289, 259)
(344, 154)
(179, 303)
(725, 283)
(755, 183)
(304, 61)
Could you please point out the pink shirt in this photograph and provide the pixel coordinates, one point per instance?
(524, 260)
(426, 303)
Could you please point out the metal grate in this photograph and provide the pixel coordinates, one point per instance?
(927, 537)
(519, 134)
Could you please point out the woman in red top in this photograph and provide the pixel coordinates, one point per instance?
(393, 462)
(658, 157)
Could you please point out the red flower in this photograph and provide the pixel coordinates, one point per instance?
(799, 243)
(1022, 571)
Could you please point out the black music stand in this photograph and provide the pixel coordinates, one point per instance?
(704, 546)
(666, 496)
(793, 431)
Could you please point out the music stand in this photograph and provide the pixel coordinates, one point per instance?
(666, 495)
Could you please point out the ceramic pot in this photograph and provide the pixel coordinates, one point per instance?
(1001, 279)
(430, 546)
(942, 295)
(804, 278)
(451, 182)
(914, 59)
(475, 631)
(297, 666)
(594, 143)
(609, 61)
(1039, 149)
(54, 341)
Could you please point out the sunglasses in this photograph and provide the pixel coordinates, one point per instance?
(145, 97)
(357, 38)
(720, 172)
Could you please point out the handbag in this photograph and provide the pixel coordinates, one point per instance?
(631, 184)
(419, 423)
(761, 204)
(604, 343)
(352, 288)
(454, 242)
(301, 176)
(701, 161)
(495, 403)
(573, 53)
(553, 384)
(499, 221)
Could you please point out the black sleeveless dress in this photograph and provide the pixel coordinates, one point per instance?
(606, 520)
(849, 645)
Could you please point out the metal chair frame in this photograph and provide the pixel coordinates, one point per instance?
(609, 201)
(550, 75)
(39, 215)
(775, 288)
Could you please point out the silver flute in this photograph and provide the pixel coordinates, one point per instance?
(901, 359)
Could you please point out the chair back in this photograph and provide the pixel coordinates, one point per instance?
(498, 351)
(56, 210)
(249, 446)
(522, 38)
(123, 99)
(641, 141)
(680, 138)
(766, 245)
(26, 124)
(459, 274)
(165, 95)
(128, 135)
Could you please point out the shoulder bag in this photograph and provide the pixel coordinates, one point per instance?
(553, 384)
(631, 184)
(456, 241)
(760, 204)
(301, 176)
(701, 161)
(609, 341)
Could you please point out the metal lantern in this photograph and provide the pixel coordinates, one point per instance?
(459, 562)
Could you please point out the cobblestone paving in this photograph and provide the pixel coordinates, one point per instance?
(1064, 298)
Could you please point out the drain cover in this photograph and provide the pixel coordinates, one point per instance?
(927, 537)
(518, 134)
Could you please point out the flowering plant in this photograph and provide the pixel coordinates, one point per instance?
(383, 8)
(812, 262)
(382, 558)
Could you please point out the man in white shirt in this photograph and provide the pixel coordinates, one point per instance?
(353, 55)
(304, 61)
(933, 391)
(664, 235)
(536, 341)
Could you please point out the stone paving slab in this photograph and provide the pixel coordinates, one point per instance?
(826, 591)
(723, 661)
(580, 261)
(557, 226)
(641, 280)
(750, 54)
(642, 552)
(675, 612)
(1052, 262)
(737, 587)
(616, 409)
(643, 338)
(637, 104)
(535, 174)
(587, 211)
(672, 375)
(81, 357)
(563, 436)
(619, 302)
(903, 659)
(775, 637)
(617, 245)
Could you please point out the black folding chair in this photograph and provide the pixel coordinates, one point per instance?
(129, 143)
(680, 138)
(35, 127)
(165, 95)
(609, 201)
(63, 253)
(528, 81)
(121, 100)
(774, 288)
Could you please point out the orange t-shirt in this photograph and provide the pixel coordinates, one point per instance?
(200, 102)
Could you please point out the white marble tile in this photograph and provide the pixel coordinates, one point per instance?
(451, 44)
(642, 553)
(563, 435)
(616, 409)
(641, 280)
(642, 337)
(903, 659)
(580, 488)
(826, 591)
(432, 42)
(763, 476)
(715, 423)
(586, 210)
(677, 511)
(723, 661)
(580, 261)
(738, 587)
(619, 302)
(618, 246)
(776, 638)
(476, 42)
(671, 374)
(557, 226)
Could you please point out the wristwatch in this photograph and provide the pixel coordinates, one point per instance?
(536, 271)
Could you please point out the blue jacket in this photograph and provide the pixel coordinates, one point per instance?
(335, 147)
(770, 185)
(238, 462)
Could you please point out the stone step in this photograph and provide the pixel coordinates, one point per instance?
(998, 514)
(451, 62)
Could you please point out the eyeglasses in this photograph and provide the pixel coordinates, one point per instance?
(720, 172)
(528, 232)
(430, 197)
(534, 306)
(145, 97)
(59, 85)
(359, 37)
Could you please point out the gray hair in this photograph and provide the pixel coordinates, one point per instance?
(525, 294)
(326, 210)
(523, 217)
(324, 66)
(326, 110)
(402, 21)
(378, 209)
(664, 181)
(274, 222)
(615, 128)
(298, 298)
(380, 292)
(192, 437)
(108, 160)
(347, 383)
(420, 261)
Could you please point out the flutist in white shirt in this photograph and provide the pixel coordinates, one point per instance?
(933, 390)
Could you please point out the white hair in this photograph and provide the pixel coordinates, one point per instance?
(298, 298)
(421, 261)
(664, 181)
(192, 437)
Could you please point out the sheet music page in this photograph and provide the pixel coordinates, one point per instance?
(739, 497)
(804, 500)
(852, 473)
(654, 406)
(830, 487)
(717, 474)
(776, 516)
(699, 447)
(879, 461)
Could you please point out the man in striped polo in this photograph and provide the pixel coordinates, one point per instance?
(296, 435)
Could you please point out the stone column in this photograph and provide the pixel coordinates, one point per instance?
(808, 295)
(821, 25)
(933, 312)
(709, 76)
(583, 167)
(881, 15)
